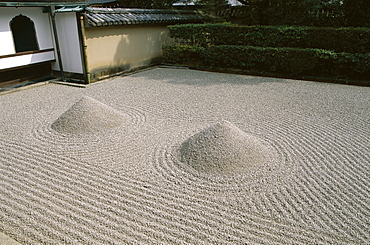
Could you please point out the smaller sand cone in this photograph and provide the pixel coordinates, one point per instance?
(88, 116)
(223, 148)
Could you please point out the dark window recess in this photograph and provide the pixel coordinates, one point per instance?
(24, 34)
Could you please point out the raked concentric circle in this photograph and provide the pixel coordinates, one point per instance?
(257, 166)
(311, 185)
(140, 182)
(43, 190)
(61, 133)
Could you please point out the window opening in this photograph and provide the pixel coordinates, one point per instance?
(24, 34)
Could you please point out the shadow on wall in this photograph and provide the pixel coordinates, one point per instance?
(118, 49)
(140, 45)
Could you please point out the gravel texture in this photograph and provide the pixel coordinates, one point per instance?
(88, 116)
(223, 148)
(177, 156)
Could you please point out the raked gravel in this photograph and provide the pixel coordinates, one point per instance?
(179, 156)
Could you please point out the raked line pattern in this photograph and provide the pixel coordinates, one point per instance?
(48, 197)
(128, 185)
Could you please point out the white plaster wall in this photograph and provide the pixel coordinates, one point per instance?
(26, 59)
(40, 19)
(69, 43)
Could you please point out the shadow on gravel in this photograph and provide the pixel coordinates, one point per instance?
(210, 77)
(203, 78)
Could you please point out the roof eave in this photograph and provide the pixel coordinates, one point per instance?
(40, 4)
(56, 3)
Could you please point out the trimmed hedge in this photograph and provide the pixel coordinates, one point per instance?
(290, 61)
(183, 54)
(349, 40)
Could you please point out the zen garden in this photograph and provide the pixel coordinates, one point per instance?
(185, 122)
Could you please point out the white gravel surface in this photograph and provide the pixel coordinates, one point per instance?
(176, 156)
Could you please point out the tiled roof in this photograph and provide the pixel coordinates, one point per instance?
(43, 3)
(194, 2)
(58, 2)
(120, 16)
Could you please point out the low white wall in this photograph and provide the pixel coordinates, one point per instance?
(40, 19)
(26, 59)
(121, 48)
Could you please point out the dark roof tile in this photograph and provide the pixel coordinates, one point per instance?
(120, 16)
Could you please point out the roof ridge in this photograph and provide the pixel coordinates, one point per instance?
(137, 10)
(122, 16)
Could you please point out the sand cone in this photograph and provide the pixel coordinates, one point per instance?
(222, 148)
(88, 115)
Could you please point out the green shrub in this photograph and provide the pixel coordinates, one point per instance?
(357, 12)
(291, 12)
(354, 13)
(350, 40)
(288, 61)
(182, 54)
(291, 61)
(327, 52)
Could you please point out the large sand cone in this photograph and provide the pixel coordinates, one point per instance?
(223, 148)
(88, 115)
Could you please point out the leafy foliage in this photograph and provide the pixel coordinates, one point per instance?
(288, 61)
(351, 40)
(328, 52)
(183, 54)
(145, 3)
(357, 12)
(212, 2)
(291, 50)
(291, 12)
(335, 13)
